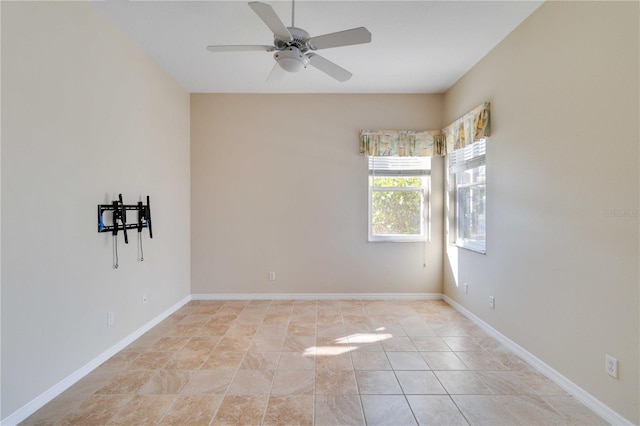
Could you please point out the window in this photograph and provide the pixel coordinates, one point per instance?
(467, 171)
(399, 198)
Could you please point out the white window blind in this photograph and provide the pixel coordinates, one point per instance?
(469, 157)
(399, 166)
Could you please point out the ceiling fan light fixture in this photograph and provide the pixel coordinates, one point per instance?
(291, 59)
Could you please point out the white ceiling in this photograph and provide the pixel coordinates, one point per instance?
(417, 46)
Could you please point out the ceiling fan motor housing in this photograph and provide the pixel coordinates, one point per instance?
(291, 59)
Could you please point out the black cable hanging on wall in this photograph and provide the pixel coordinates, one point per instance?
(119, 223)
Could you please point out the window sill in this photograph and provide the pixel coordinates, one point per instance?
(470, 247)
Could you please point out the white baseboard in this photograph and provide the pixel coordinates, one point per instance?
(318, 296)
(576, 391)
(41, 400)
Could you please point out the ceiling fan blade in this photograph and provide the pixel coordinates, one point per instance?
(269, 17)
(341, 38)
(329, 68)
(276, 75)
(240, 48)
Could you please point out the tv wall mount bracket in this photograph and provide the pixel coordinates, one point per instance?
(119, 223)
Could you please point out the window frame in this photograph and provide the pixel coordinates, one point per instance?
(468, 161)
(424, 189)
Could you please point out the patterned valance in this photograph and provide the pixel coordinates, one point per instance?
(401, 143)
(472, 127)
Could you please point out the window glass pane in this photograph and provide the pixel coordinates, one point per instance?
(471, 201)
(397, 212)
(397, 182)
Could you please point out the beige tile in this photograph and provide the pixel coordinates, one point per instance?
(219, 359)
(462, 383)
(430, 343)
(340, 361)
(296, 361)
(366, 347)
(481, 361)
(331, 331)
(419, 382)
(435, 410)
(96, 410)
(192, 410)
(573, 411)
(294, 382)
(128, 382)
(370, 361)
(489, 344)
(336, 382)
(242, 331)
(504, 383)
(328, 320)
(214, 329)
(166, 381)
(144, 342)
(55, 410)
(280, 319)
(120, 360)
(449, 329)
(234, 344)
(484, 410)
(418, 330)
(298, 343)
(181, 330)
(531, 410)
(301, 329)
(377, 382)
(462, 344)
(250, 319)
(539, 383)
(512, 361)
(251, 382)
(213, 382)
(289, 410)
(387, 410)
(169, 344)
(90, 383)
(444, 361)
(407, 361)
(411, 319)
(394, 330)
(331, 410)
(398, 344)
(260, 361)
(201, 344)
(150, 361)
(271, 330)
(267, 344)
(222, 318)
(187, 360)
(196, 319)
(143, 410)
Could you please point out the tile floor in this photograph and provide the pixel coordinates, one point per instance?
(337, 362)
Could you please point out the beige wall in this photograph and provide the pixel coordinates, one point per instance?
(85, 116)
(564, 149)
(278, 185)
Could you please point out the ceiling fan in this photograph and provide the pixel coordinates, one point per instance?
(293, 46)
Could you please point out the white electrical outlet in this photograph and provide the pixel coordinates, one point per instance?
(272, 276)
(611, 366)
(110, 318)
(466, 288)
(492, 302)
